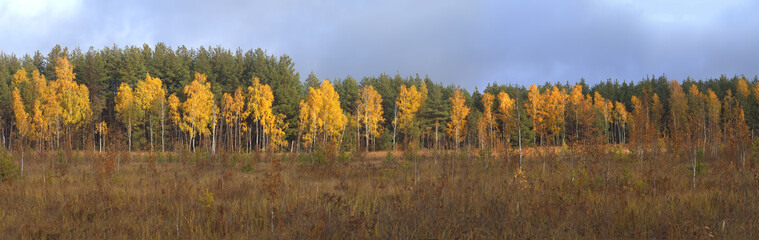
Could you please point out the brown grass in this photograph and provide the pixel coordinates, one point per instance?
(587, 194)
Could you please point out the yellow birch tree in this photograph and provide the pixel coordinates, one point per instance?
(74, 98)
(370, 112)
(555, 108)
(535, 107)
(409, 100)
(713, 109)
(127, 108)
(487, 117)
(150, 97)
(458, 111)
(322, 117)
(198, 108)
(22, 121)
(505, 106)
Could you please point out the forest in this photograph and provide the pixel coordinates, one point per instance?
(104, 133)
(242, 98)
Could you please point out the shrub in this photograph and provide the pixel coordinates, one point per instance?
(389, 157)
(61, 163)
(236, 158)
(206, 199)
(619, 155)
(8, 168)
(754, 155)
(700, 167)
(247, 168)
(345, 156)
(318, 156)
(201, 158)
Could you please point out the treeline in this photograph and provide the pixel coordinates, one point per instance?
(159, 98)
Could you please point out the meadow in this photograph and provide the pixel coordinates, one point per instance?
(593, 192)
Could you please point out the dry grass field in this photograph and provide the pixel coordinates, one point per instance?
(590, 193)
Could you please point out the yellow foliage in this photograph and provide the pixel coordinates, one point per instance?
(620, 112)
(238, 108)
(309, 120)
(126, 106)
(64, 70)
(276, 126)
(320, 114)
(486, 128)
(370, 110)
(603, 106)
(555, 108)
(458, 111)
(48, 106)
(174, 107)
(226, 109)
(678, 107)
(713, 109)
(44, 105)
(233, 107)
(657, 110)
(409, 100)
(38, 122)
(575, 96)
(149, 94)
(74, 98)
(20, 77)
(535, 107)
(505, 105)
(334, 118)
(742, 88)
(102, 128)
(199, 106)
(487, 105)
(22, 118)
(206, 198)
(260, 100)
(580, 108)
(638, 111)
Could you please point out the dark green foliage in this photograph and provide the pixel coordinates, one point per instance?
(8, 168)
(311, 82)
(247, 168)
(318, 156)
(436, 109)
(348, 91)
(345, 156)
(700, 165)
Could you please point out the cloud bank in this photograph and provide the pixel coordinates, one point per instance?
(467, 43)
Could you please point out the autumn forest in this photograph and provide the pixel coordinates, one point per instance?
(218, 143)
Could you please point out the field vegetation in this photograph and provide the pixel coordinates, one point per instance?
(583, 192)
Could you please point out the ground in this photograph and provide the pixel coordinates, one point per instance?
(593, 192)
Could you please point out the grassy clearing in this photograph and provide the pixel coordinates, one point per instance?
(585, 193)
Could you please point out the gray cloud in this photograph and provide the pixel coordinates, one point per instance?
(468, 43)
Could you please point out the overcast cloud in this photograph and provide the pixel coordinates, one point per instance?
(468, 43)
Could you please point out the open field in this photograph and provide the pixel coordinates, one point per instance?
(584, 193)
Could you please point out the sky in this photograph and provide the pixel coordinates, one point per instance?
(466, 43)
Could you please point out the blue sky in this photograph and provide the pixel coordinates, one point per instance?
(467, 43)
